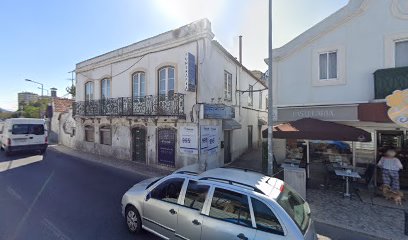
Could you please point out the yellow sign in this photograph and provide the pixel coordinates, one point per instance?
(398, 103)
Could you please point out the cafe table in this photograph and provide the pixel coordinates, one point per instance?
(347, 174)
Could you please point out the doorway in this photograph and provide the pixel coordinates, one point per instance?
(227, 147)
(166, 146)
(139, 144)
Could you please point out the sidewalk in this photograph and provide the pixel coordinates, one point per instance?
(126, 165)
(329, 207)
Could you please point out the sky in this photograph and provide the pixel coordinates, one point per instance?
(42, 40)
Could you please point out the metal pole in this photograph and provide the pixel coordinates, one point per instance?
(270, 100)
(42, 89)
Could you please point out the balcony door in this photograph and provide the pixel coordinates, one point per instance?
(139, 144)
(166, 81)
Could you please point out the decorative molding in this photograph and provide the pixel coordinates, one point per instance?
(399, 9)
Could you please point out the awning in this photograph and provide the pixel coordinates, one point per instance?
(230, 124)
(261, 122)
(314, 129)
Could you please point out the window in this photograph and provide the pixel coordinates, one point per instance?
(195, 195)
(265, 219)
(227, 86)
(260, 100)
(328, 65)
(89, 91)
(89, 133)
(266, 102)
(401, 54)
(138, 85)
(168, 190)
(105, 135)
(251, 95)
(230, 207)
(36, 129)
(105, 88)
(166, 81)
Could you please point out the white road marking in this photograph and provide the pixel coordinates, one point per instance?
(55, 230)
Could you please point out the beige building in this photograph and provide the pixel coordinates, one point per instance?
(26, 97)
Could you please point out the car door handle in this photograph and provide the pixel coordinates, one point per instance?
(242, 236)
(172, 211)
(196, 222)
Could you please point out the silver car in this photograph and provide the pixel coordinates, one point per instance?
(222, 203)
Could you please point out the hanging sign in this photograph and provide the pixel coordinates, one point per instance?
(190, 73)
(188, 140)
(398, 103)
(218, 111)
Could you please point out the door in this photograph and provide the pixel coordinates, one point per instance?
(166, 146)
(161, 207)
(250, 137)
(227, 147)
(189, 219)
(139, 144)
(228, 218)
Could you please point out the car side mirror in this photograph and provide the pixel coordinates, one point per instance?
(148, 196)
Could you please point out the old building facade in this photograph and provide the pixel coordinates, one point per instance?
(172, 100)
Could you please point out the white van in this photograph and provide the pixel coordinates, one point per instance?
(23, 134)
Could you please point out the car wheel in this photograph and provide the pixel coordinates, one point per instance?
(133, 220)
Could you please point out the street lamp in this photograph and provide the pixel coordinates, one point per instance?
(270, 99)
(48, 92)
(42, 86)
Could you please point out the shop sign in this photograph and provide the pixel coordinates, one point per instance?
(218, 111)
(204, 133)
(188, 140)
(190, 73)
(330, 113)
(398, 103)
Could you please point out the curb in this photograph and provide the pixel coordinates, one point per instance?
(125, 165)
(350, 229)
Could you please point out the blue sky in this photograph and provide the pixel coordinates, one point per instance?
(43, 40)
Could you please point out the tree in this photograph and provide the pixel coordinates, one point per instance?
(71, 90)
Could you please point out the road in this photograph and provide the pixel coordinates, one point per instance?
(62, 197)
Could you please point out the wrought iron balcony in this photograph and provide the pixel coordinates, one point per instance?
(162, 105)
(388, 80)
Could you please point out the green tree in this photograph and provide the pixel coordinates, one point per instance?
(71, 90)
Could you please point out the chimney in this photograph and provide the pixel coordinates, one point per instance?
(53, 92)
(240, 49)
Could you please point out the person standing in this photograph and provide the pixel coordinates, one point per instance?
(390, 169)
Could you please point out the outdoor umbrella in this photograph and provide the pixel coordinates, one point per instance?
(314, 129)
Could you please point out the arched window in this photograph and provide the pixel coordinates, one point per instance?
(89, 91)
(105, 88)
(138, 85)
(105, 134)
(166, 80)
(89, 133)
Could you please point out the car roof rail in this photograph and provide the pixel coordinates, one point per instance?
(231, 182)
(187, 172)
(243, 169)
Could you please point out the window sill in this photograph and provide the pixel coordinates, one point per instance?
(328, 82)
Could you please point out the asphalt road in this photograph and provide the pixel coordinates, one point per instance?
(62, 197)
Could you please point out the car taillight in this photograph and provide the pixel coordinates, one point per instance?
(282, 188)
(8, 141)
(46, 140)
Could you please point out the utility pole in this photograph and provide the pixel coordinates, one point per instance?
(270, 100)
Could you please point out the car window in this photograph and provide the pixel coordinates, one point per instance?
(265, 219)
(295, 206)
(231, 207)
(195, 195)
(168, 190)
(36, 129)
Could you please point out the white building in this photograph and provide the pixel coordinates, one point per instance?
(161, 100)
(342, 68)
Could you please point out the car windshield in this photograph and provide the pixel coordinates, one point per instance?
(36, 129)
(295, 206)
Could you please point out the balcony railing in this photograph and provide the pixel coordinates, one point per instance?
(388, 80)
(162, 105)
